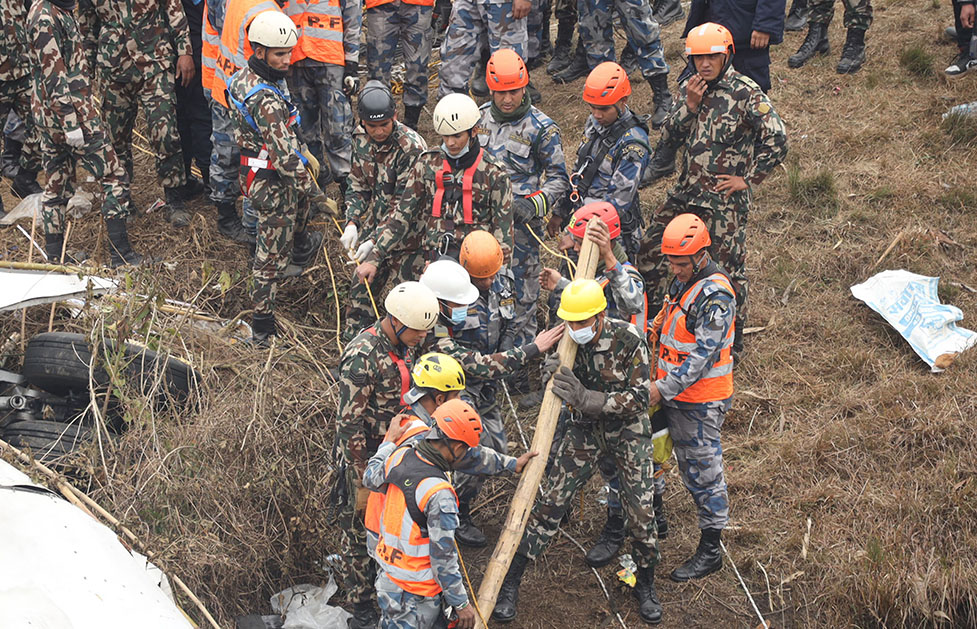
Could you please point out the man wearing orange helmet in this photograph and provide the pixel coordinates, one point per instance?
(419, 575)
(694, 379)
(527, 143)
(613, 154)
(733, 139)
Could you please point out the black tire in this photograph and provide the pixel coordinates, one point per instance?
(58, 362)
(48, 441)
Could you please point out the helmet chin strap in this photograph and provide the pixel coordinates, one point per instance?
(397, 333)
(695, 263)
(722, 73)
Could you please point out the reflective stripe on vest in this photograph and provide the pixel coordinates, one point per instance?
(374, 503)
(401, 365)
(320, 27)
(467, 180)
(676, 343)
(639, 320)
(210, 48)
(376, 3)
(404, 549)
(235, 49)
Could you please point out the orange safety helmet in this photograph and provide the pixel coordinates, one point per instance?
(685, 235)
(459, 421)
(506, 71)
(708, 39)
(481, 254)
(606, 85)
(601, 209)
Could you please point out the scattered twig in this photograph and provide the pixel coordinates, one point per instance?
(600, 581)
(963, 286)
(806, 541)
(767, 579)
(892, 245)
(786, 295)
(763, 623)
(515, 415)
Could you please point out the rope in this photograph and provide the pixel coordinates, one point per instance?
(335, 296)
(369, 291)
(515, 415)
(472, 597)
(193, 167)
(573, 267)
(763, 623)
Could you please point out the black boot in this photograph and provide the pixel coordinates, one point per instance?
(608, 542)
(578, 67)
(229, 223)
(364, 616)
(25, 183)
(479, 88)
(853, 54)
(797, 16)
(467, 534)
(815, 43)
(120, 251)
(53, 243)
(662, 164)
(10, 159)
(306, 245)
(412, 113)
(661, 524)
(534, 95)
(708, 558)
(649, 607)
(193, 188)
(263, 327)
(662, 99)
(505, 604)
(563, 51)
(176, 210)
(667, 11)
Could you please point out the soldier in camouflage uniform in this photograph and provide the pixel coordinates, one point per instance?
(70, 130)
(15, 91)
(733, 139)
(437, 208)
(528, 145)
(694, 380)
(132, 43)
(858, 17)
(384, 152)
(607, 392)
(277, 172)
(374, 377)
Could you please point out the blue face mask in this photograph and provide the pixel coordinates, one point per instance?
(458, 315)
(583, 335)
(463, 152)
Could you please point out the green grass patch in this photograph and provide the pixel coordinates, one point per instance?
(817, 192)
(917, 61)
(961, 128)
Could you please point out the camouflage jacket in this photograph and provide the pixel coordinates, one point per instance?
(623, 286)
(378, 173)
(412, 226)
(477, 365)
(15, 58)
(617, 363)
(62, 90)
(735, 132)
(265, 119)
(129, 39)
(530, 150)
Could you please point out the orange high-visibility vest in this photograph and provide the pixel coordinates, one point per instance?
(375, 3)
(640, 319)
(676, 343)
(235, 49)
(211, 41)
(374, 504)
(320, 27)
(404, 548)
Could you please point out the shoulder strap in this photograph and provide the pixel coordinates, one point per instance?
(407, 476)
(593, 165)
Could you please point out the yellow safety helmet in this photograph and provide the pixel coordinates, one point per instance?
(581, 300)
(435, 371)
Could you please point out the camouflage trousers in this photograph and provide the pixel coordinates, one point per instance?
(537, 28)
(695, 434)
(327, 119)
(359, 309)
(282, 212)
(156, 93)
(727, 229)
(858, 13)
(471, 21)
(493, 436)
(596, 24)
(409, 27)
(403, 610)
(15, 96)
(526, 267)
(225, 162)
(97, 157)
(361, 569)
(583, 446)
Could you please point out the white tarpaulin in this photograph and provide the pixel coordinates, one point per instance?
(29, 288)
(910, 303)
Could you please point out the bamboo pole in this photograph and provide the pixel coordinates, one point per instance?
(532, 475)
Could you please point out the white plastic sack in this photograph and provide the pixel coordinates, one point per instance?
(910, 304)
(29, 207)
(307, 606)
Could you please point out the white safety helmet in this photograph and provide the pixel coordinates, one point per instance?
(414, 305)
(273, 29)
(449, 281)
(455, 113)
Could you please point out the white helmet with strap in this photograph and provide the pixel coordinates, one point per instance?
(455, 113)
(450, 281)
(414, 305)
(273, 29)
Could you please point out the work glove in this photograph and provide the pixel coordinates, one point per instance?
(364, 251)
(568, 388)
(348, 239)
(75, 138)
(351, 78)
(312, 165)
(328, 206)
(525, 209)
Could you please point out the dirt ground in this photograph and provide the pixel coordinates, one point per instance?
(850, 466)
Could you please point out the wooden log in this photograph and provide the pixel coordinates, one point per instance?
(532, 475)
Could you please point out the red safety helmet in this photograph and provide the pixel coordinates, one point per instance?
(602, 210)
(606, 85)
(459, 421)
(506, 71)
(685, 235)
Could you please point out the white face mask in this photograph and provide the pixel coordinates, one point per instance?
(583, 335)
(462, 153)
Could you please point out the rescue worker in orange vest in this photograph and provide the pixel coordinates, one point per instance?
(419, 576)
(694, 379)
(324, 75)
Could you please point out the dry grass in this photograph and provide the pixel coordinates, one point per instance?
(836, 422)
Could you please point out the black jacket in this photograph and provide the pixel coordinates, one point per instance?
(741, 17)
